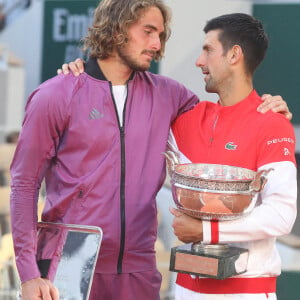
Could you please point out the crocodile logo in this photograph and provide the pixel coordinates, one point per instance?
(230, 146)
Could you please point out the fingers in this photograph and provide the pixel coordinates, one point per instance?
(54, 294)
(64, 70)
(265, 96)
(76, 67)
(53, 291)
(276, 104)
(289, 115)
(45, 292)
(49, 291)
(175, 212)
(80, 65)
(280, 106)
(39, 288)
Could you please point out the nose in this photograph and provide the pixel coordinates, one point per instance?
(200, 61)
(156, 43)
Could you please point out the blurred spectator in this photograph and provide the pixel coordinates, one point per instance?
(2, 17)
(2, 178)
(10, 9)
(12, 137)
(27, 3)
(7, 150)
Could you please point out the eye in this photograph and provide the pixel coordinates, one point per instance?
(208, 50)
(162, 36)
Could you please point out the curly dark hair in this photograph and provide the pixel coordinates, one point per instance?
(111, 21)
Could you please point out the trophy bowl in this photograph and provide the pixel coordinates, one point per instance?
(210, 191)
(214, 191)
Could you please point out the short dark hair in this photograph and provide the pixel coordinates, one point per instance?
(243, 30)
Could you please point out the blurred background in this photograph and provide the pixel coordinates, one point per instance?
(38, 36)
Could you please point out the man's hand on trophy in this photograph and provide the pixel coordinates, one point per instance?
(39, 288)
(186, 228)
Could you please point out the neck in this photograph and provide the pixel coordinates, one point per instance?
(235, 91)
(116, 73)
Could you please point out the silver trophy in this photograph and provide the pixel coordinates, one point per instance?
(67, 255)
(212, 192)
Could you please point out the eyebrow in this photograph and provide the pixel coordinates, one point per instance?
(150, 27)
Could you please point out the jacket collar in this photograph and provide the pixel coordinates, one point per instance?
(92, 68)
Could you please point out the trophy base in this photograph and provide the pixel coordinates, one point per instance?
(207, 262)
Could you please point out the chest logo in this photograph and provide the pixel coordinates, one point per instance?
(230, 146)
(95, 114)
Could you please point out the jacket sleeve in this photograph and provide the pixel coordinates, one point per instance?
(36, 148)
(179, 97)
(187, 100)
(273, 217)
(276, 209)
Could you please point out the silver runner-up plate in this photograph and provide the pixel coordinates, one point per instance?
(67, 255)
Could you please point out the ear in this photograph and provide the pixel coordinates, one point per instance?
(235, 54)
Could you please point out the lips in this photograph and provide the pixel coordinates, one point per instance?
(149, 53)
(206, 76)
(206, 73)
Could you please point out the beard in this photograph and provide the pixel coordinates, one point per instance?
(210, 86)
(130, 61)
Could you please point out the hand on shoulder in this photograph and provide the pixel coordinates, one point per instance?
(76, 67)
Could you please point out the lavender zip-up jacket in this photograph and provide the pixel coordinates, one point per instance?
(97, 171)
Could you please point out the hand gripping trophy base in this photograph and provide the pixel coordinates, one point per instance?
(215, 193)
(214, 261)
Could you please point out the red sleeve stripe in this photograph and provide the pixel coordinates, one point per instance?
(214, 232)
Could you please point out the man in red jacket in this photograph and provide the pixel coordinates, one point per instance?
(232, 132)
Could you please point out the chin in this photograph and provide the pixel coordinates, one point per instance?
(141, 68)
(210, 89)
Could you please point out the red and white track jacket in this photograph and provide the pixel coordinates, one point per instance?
(240, 136)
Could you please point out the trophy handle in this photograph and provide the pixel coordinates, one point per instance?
(172, 160)
(259, 180)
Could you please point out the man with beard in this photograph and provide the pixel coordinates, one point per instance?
(232, 132)
(98, 139)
